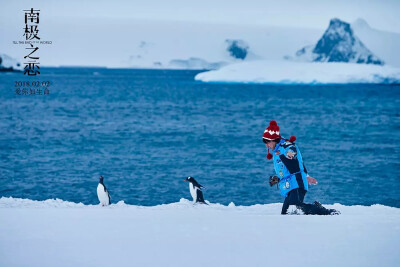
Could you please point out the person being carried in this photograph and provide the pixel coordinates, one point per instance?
(291, 174)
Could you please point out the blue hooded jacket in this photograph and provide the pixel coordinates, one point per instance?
(289, 167)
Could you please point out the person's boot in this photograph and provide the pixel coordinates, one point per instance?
(325, 211)
(318, 204)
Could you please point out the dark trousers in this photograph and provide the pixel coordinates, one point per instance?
(296, 197)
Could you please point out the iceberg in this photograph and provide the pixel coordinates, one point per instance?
(291, 72)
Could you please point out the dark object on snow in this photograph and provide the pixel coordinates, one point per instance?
(296, 197)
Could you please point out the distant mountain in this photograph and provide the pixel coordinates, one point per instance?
(339, 44)
(198, 45)
(237, 49)
(8, 63)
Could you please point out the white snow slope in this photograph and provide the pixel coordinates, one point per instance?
(287, 72)
(384, 44)
(60, 233)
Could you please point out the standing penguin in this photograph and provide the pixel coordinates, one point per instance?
(102, 193)
(195, 190)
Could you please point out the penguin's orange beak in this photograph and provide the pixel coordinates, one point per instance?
(186, 179)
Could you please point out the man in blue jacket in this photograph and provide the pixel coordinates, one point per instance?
(291, 173)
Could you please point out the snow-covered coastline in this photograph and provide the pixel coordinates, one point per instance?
(289, 72)
(61, 233)
(8, 63)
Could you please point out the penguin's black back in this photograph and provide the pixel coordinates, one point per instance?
(105, 189)
(196, 184)
(109, 198)
(200, 197)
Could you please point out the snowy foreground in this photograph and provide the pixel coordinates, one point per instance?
(60, 233)
(292, 72)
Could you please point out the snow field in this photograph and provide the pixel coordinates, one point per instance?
(60, 233)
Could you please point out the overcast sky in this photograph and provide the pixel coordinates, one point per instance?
(380, 14)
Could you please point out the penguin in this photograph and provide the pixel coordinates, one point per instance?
(102, 193)
(195, 190)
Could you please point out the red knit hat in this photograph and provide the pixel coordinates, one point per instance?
(272, 132)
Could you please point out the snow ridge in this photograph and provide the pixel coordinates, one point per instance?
(272, 209)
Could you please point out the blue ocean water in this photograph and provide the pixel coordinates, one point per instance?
(146, 130)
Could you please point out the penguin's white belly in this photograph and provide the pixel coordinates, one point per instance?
(193, 191)
(103, 196)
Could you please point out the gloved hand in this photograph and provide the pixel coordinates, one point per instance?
(273, 180)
